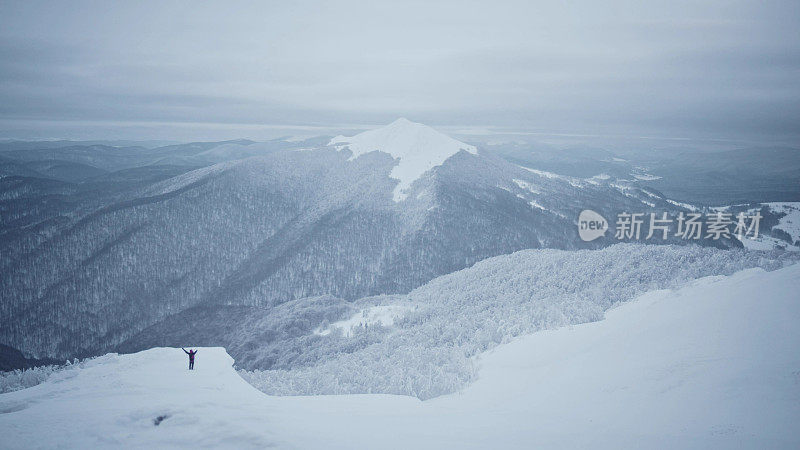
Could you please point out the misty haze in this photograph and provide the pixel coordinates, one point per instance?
(399, 224)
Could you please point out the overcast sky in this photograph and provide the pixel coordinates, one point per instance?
(187, 70)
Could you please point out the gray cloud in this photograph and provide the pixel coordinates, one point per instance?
(715, 68)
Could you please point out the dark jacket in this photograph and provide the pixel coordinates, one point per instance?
(191, 353)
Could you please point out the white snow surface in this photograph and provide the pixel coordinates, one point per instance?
(574, 182)
(383, 315)
(181, 181)
(646, 177)
(526, 186)
(684, 205)
(599, 178)
(766, 243)
(789, 223)
(711, 365)
(419, 148)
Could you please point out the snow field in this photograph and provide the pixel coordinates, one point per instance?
(713, 364)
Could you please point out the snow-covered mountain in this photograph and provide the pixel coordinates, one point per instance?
(381, 212)
(780, 224)
(418, 148)
(712, 365)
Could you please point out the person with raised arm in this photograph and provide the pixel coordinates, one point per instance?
(191, 354)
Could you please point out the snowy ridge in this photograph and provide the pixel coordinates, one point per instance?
(599, 178)
(427, 353)
(574, 182)
(683, 205)
(790, 223)
(126, 401)
(785, 235)
(184, 180)
(529, 187)
(711, 365)
(418, 147)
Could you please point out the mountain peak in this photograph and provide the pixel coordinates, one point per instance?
(418, 147)
(401, 121)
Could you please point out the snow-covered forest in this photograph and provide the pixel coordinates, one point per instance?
(428, 351)
(382, 224)
(710, 364)
(288, 225)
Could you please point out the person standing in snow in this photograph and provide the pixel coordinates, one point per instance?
(191, 354)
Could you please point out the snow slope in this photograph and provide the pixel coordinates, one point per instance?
(712, 365)
(768, 239)
(790, 223)
(115, 399)
(418, 147)
(382, 315)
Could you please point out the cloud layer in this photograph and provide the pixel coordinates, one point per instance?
(705, 69)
